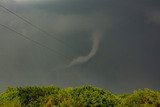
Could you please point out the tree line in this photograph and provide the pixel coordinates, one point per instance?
(85, 96)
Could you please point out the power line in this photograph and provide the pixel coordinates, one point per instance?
(36, 42)
(36, 27)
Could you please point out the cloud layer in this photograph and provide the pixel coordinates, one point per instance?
(114, 44)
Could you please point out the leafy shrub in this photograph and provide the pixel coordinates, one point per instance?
(10, 98)
(87, 96)
(142, 98)
(28, 96)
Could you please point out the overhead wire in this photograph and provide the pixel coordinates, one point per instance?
(36, 42)
(37, 27)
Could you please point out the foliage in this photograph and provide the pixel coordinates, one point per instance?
(85, 96)
(28, 96)
(142, 98)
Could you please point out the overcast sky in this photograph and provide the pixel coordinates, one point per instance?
(111, 44)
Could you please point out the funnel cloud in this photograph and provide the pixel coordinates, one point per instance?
(96, 38)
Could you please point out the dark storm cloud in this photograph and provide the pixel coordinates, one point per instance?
(127, 56)
(72, 6)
